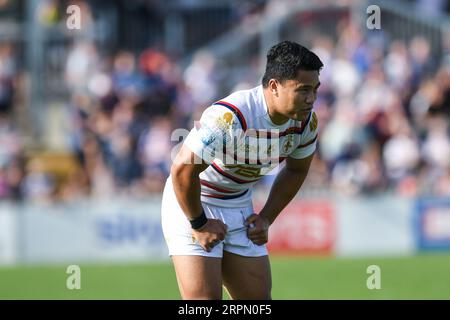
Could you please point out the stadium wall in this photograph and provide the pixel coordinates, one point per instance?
(91, 231)
(8, 234)
(119, 230)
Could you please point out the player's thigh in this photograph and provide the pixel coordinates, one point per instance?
(199, 277)
(246, 277)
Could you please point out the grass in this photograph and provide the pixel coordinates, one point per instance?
(417, 277)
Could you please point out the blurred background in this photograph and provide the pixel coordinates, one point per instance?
(88, 121)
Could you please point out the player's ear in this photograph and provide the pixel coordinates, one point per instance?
(273, 86)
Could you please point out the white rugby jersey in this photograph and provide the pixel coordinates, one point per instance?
(238, 139)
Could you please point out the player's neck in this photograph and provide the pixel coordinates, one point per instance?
(276, 118)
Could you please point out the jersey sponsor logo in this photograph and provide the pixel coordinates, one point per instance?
(225, 122)
(245, 171)
(236, 111)
(229, 175)
(228, 118)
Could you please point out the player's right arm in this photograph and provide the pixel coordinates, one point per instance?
(205, 142)
(186, 183)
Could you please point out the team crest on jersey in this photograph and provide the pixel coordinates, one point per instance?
(287, 145)
(313, 123)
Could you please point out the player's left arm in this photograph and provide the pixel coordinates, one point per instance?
(286, 185)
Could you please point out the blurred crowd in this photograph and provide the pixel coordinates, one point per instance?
(383, 109)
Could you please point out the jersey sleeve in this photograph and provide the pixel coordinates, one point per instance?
(308, 141)
(215, 135)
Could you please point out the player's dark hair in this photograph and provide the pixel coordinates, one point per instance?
(286, 58)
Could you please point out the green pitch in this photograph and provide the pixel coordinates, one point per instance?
(418, 277)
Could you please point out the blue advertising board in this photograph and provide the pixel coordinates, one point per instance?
(432, 224)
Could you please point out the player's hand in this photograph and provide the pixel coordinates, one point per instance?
(210, 234)
(257, 229)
